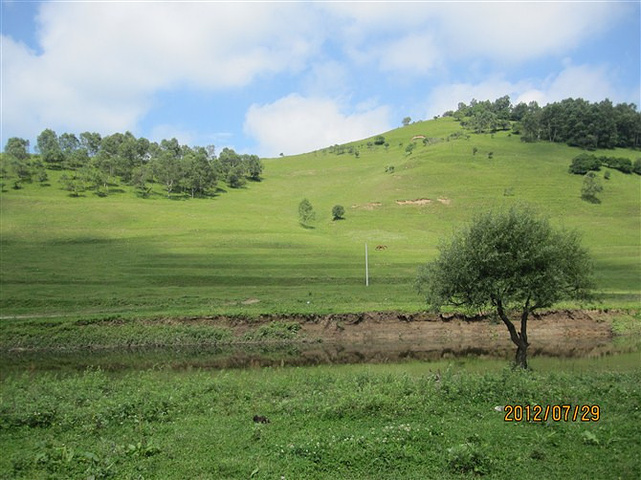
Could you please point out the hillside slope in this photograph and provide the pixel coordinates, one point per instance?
(245, 251)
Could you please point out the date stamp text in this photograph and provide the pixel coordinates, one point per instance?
(555, 413)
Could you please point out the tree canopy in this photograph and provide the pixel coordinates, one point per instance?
(508, 261)
(576, 122)
(90, 161)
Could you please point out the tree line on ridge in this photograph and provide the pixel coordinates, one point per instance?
(92, 162)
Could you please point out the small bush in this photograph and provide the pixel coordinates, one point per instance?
(584, 163)
(591, 187)
(306, 212)
(621, 164)
(338, 212)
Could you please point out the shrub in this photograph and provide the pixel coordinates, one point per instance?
(591, 187)
(621, 164)
(338, 212)
(306, 211)
(584, 163)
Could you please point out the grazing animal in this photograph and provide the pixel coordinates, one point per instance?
(381, 247)
(261, 419)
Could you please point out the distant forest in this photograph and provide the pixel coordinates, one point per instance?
(95, 163)
(576, 122)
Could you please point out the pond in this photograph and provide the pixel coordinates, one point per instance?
(579, 353)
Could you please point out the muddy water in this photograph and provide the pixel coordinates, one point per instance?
(356, 339)
(304, 354)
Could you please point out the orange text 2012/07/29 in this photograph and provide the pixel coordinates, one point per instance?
(555, 413)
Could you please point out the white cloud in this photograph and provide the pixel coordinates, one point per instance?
(296, 124)
(501, 31)
(592, 83)
(518, 31)
(415, 53)
(102, 63)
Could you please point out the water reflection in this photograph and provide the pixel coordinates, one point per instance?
(299, 354)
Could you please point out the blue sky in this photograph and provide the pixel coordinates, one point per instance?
(291, 77)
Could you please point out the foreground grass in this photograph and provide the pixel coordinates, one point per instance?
(387, 421)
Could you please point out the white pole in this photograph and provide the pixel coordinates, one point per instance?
(366, 267)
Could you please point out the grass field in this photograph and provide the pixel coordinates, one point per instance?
(244, 251)
(70, 267)
(412, 420)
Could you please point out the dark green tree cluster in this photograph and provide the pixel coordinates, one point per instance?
(18, 167)
(586, 162)
(576, 122)
(92, 162)
(484, 116)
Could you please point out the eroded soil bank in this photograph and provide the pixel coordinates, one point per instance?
(562, 332)
(375, 337)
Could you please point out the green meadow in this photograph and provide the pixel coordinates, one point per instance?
(244, 251)
(72, 268)
(412, 420)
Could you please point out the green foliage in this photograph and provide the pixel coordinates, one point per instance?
(338, 212)
(134, 161)
(17, 148)
(306, 212)
(623, 165)
(591, 188)
(512, 258)
(576, 122)
(274, 331)
(76, 183)
(379, 140)
(583, 163)
(49, 147)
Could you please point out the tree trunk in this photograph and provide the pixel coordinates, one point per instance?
(521, 355)
(518, 338)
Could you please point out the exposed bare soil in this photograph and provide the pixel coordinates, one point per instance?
(423, 335)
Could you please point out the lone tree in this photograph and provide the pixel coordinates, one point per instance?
(338, 212)
(591, 188)
(508, 261)
(306, 212)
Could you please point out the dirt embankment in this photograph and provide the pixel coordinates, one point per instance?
(423, 335)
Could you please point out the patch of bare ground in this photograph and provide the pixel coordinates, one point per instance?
(418, 201)
(367, 206)
(425, 336)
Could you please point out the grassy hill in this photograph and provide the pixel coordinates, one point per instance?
(245, 252)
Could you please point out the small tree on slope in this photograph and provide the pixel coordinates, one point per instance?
(508, 261)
